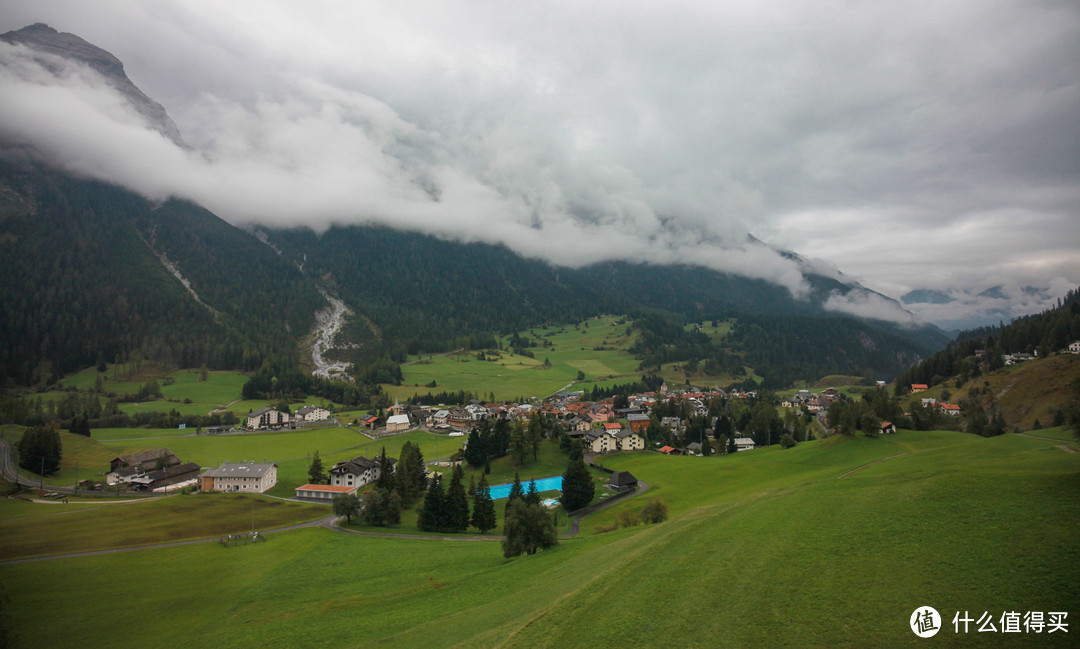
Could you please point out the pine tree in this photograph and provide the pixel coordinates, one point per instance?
(457, 503)
(517, 492)
(483, 515)
(577, 486)
(432, 514)
(532, 496)
(40, 450)
(316, 475)
(386, 472)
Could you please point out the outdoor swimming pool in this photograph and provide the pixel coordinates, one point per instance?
(543, 484)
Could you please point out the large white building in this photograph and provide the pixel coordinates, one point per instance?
(244, 477)
(266, 417)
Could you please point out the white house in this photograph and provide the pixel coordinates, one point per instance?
(312, 413)
(266, 417)
(356, 472)
(243, 477)
(744, 444)
(630, 440)
(600, 441)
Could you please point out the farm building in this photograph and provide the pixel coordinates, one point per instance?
(322, 492)
(249, 477)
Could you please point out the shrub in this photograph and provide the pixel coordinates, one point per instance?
(787, 441)
(656, 511)
(628, 518)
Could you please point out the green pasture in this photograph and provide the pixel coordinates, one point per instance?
(573, 348)
(765, 548)
(174, 518)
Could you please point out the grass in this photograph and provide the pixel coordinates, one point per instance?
(597, 348)
(176, 518)
(765, 548)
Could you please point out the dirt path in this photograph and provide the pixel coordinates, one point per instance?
(326, 522)
(870, 464)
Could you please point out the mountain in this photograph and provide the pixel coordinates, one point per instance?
(100, 273)
(46, 42)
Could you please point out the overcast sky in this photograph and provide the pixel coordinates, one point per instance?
(911, 145)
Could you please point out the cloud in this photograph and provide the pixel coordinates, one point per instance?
(926, 146)
(864, 304)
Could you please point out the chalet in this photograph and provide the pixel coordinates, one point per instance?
(637, 423)
(888, 428)
(356, 472)
(312, 413)
(371, 421)
(397, 422)
(668, 450)
(266, 418)
(612, 427)
(143, 461)
(693, 448)
(248, 477)
(441, 417)
(622, 481)
(919, 387)
(744, 444)
(581, 425)
(630, 440)
(601, 442)
(322, 492)
(672, 423)
(950, 409)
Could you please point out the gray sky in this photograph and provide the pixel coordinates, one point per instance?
(910, 144)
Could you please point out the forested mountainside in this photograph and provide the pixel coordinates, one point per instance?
(98, 273)
(1040, 334)
(425, 294)
(85, 280)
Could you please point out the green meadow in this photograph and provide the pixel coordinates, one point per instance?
(832, 543)
(597, 348)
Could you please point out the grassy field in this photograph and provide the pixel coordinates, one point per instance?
(176, 518)
(779, 548)
(597, 348)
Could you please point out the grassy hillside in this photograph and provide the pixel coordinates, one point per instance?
(779, 548)
(596, 347)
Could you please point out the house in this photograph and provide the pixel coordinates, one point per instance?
(950, 409)
(371, 421)
(356, 472)
(888, 428)
(637, 423)
(672, 423)
(1074, 348)
(312, 413)
(744, 444)
(919, 387)
(630, 440)
(612, 427)
(322, 492)
(668, 450)
(622, 481)
(693, 448)
(247, 477)
(601, 442)
(148, 460)
(397, 422)
(581, 425)
(266, 418)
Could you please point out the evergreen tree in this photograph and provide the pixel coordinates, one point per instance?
(532, 496)
(316, 474)
(432, 514)
(483, 515)
(386, 472)
(39, 450)
(410, 474)
(475, 453)
(577, 486)
(517, 492)
(519, 444)
(457, 503)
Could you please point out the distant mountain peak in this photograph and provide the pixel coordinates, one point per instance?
(43, 38)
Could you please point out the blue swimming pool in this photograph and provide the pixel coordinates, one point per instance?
(543, 484)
